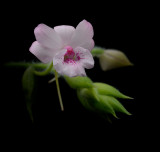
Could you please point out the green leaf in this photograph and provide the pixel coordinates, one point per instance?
(116, 105)
(79, 82)
(105, 89)
(28, 86)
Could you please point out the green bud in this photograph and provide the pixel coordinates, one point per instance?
(88, 97)
(105, 89)
(116, 105)
(79, 82)
(106, 107)
(28, 86)
(112, 59)
(92, 101)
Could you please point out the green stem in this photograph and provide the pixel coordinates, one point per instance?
(58, 90)
(26, 65)
(46, 71)
(97, 51)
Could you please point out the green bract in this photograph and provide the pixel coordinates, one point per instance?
(102, 104)
(88, 98)
(28, 86)
(114, 103)
(28, 81)
(105, 89)
(79, 82)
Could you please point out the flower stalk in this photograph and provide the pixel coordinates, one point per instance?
(58, 91)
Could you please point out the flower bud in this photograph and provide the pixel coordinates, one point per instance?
(105, 89)
(79, 82)
(88, 97)
(112, 59)
(91, 100)
(114, 103)
(101, 104)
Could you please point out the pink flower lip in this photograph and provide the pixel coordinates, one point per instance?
(69, 56)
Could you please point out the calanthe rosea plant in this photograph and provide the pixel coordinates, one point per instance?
(65, 52)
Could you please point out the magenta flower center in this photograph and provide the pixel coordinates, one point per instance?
(70, 56)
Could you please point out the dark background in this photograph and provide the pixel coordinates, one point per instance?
(115, 26)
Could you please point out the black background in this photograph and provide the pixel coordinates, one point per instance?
(115, 26)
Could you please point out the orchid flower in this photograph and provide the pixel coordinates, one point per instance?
(67, 47)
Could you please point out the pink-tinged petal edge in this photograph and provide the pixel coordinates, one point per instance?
(88, 45)
(86, 58)
(83, 33)
(68, 69)
(45, 55)
(47, 37)
(65, 32)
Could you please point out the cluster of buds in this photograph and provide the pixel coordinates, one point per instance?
(98, 97)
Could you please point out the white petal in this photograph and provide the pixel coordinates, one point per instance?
(82, 34)
(73, 70)
(47, 37)
(45, 55)
(65, 32)
(88, 45)
(86, 58)
(59, 57)
(80, 70)
(68, 69)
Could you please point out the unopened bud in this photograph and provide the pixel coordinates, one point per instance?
(91, 100)
(112, 59)
(114, 103)
(105, 89)
(88, 97)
